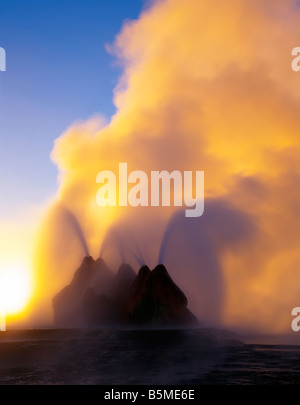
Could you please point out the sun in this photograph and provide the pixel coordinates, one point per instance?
(15, 288)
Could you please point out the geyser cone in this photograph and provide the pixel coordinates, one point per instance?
(137, 307)
(122, 283)
(156, 300)
(84, 273)
(164, 288)
(67, 304)
(98, 297)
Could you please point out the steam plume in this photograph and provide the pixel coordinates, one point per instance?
(207, 85)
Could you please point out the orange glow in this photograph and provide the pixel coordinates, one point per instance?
(15, 287)
(206, 86)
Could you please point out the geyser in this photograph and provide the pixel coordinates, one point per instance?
(96, 297)
(72, 220)
(130, 245)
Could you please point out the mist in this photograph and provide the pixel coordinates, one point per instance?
(206, 86)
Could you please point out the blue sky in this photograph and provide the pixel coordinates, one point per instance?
(58, 71)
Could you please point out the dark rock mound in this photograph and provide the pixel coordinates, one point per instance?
(92, 277)
(155, 299)
(97, 297)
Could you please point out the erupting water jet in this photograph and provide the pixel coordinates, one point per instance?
(72, 220)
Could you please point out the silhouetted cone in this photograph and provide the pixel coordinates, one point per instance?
(67, 304)
(97, 297)
(138, 306)
(164, 288)
(119, 290)
(96, 309)
(154, 298)
(122, 282)
(103, 277)
(84, 273)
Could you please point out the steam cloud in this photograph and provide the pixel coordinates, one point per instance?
(207, 85)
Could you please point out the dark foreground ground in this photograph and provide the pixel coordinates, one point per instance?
(157, 357)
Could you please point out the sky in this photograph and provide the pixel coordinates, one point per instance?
(58, 71)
